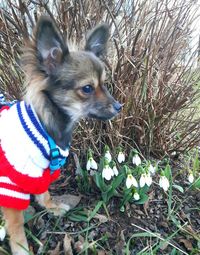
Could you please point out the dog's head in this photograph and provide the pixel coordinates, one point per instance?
(74, 79)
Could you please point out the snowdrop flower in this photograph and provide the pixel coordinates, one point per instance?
(2, 233)
(136, 196)
(108, 156)
(191, 178)
(152, 169)
(131, 181)
(121, 157)
(91, 163)
(115, 171)
(107, 172)
(164, 183)
(136, 160)
(145, 179)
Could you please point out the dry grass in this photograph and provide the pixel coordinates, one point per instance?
(149, 68)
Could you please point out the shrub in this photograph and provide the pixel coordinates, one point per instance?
(150, 68)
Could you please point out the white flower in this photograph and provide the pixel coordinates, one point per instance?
(148, 179)
(145, 179)
(152, 169)
(136, 160)
(107, 173)
(115, 171)
(142, 180)
(94, 164)
(136, 196)
(121, 157)
(88, 165)
(191, 178)
(164, 183)
(2, 233)
(131, 181)
(108, 156)
(91, 164)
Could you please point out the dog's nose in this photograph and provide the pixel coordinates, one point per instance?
(117, 106)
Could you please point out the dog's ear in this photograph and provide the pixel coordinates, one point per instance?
(96, 40)
(50, 45)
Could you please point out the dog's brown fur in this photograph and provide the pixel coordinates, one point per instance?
(55, 86)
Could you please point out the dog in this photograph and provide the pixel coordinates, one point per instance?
(62, 86)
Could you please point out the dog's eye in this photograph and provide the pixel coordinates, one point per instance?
(87, 89)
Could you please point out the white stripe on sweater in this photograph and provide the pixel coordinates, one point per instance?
(12, 193)
(4, 179)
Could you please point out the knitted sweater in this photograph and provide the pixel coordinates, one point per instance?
(24, 156)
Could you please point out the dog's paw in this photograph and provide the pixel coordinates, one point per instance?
(64, 203)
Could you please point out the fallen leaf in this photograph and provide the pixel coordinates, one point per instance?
(187, 244)
(56, 251)
(67, 245)
(101, 252)
(183, 215)
(78, 246)
(190, 229)
(77, 164)
(163, 224)
(151, 195)
(70, 200)
(146, 206)
(102, 218)
(139, 212)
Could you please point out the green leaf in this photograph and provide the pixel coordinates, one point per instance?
(111, 192)
(117, 181)
(196, 184)
(96, 209)
(167, 172)
(99, 181)
(144, 189)
(78, 217)
(178, 187)
(105, 197)
(101, 164)
(174, 252)
(196, 162)
(77, 214)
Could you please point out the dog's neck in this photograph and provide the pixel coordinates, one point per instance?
(58, 124)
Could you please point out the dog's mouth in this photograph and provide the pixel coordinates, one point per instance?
(106, 113)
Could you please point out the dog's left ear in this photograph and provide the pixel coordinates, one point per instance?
(50, 45)
(97, 39)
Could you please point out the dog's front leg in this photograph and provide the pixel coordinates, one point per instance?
(56, 207)
(15, 228)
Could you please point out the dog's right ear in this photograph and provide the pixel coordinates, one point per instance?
(96, 40)
(50, 45)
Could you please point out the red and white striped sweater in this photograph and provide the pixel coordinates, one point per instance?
(24, 157)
